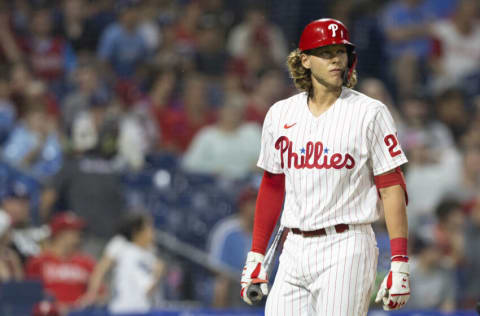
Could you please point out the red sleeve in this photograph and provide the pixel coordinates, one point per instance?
(267, 211)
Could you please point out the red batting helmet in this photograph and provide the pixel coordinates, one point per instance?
(324, 32)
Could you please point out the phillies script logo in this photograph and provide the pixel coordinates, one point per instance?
(313, 156)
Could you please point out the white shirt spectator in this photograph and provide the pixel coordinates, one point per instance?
(243, 36)
(460, 53)
(229, 154)
(429, 184)
(133, 276)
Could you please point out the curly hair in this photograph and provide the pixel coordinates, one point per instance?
(302, 76)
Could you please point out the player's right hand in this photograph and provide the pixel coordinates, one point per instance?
(253, 273)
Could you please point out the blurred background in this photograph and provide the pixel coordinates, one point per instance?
(120, 117)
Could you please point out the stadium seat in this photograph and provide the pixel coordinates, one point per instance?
(18, 298)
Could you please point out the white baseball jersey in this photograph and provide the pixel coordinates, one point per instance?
(330, 161)
(132, 277)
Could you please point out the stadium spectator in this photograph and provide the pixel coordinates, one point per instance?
(74, 24)
(9, 50)
(427, 276)
(418, 118)
(87, 85)
(468, 177)
(457, 50)
(27, 240)
(210, 57)
(450, 106)
(269, 89)
(442, 9)
(434, 162)
(229, 242)
(185, 28)
(407, 26)
(472, 257)
(89, 182)
(8, 113)
(449, 233)
(159, 98)
(369, 38)
(178, 125)
(50, 57)
(100, 273)
(11, 268)
(148, 25)
(376, 89)
(122, 46)
(137, 138)
(171, 55)
(256, 31)
(34, 144)
(430, 175)
(61, 267)
(228, 149)
(137, 272)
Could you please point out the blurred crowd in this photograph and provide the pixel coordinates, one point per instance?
(93, 91)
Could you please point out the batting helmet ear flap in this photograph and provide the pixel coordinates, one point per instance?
(352, 63)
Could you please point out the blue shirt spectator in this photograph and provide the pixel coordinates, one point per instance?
(33, 146)
(230, 243)
(403, 14)
(122, 44)
(442, 8)
(7, 119)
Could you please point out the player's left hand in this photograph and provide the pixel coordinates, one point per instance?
(394, 291)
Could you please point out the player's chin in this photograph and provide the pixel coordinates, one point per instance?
(336, 78)
(336, 82)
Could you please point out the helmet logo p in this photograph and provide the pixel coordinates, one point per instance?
(333, 28)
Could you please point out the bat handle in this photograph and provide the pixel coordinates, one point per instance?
(254, 293)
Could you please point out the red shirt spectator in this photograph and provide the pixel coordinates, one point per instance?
(178, 127)
(269, 88)
(64, 278)
(254, 114)
(64, 270)
(50, 57)
(47, 57)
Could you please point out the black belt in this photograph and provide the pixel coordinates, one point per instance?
(339, 228)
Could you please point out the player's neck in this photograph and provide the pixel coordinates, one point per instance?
(322, 99)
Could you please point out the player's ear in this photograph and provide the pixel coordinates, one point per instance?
(305, 61)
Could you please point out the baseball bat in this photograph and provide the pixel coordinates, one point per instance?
(198, 256)
(254, 293)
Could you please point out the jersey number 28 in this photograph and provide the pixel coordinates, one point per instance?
(392, 142)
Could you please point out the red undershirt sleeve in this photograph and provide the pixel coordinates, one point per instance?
(268, 208)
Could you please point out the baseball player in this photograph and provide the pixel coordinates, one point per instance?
(331, 157)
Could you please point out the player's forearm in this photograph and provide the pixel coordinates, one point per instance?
(393, 199)
(267, 210)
